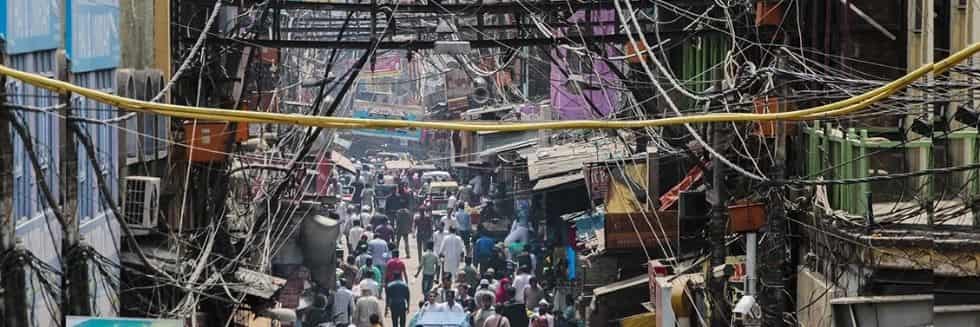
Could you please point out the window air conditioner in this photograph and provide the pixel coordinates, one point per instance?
(141, 203)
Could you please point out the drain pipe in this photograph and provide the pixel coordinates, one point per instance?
(751, 245)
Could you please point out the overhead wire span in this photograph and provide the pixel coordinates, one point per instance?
(837, 108)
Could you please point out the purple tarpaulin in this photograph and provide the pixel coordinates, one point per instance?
(566, 101)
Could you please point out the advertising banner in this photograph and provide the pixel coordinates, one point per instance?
(374, 110)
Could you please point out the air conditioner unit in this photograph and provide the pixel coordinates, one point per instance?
(141, 203)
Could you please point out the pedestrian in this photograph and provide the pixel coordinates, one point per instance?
(523, 279)
(452, 251)
(445, 286)
(403, 226)
(484, 312)
(502, 294)
(483, 250)
(543, 316)
(498, 260)
(367, 195)
(395, 268)
(524, 260)
(532, 294)
(358, 187)
(354, 235)
(428, 266)
(367, 305)
(470, 275)
(423, 229)
(368, 282)
(349, 271)
(378, 248)
(366, 216)
(451, 202)
(496, 319)
(376, 321)
(397, 297)
(490, 275)
(343, 304)
(463, 221)
(450, 305)
(378, 220)
(364, 256)
(439, 235)
(513, 310)
(385, 230)
(484, 295)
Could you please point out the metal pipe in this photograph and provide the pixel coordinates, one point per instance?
(751, 259)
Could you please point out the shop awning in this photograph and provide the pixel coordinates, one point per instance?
(552, 182)
(342, 161)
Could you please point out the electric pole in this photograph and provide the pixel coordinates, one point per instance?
(773, 295)
(716, 234)
(75, 277)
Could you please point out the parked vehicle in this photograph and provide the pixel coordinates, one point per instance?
(437, 176)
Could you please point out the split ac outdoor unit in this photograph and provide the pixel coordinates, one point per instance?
(141, 203)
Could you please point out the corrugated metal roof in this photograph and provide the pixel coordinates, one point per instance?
(621, 285)
(565, 158)
(550, 182)
(342, 161)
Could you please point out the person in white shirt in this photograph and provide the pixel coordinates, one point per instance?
(438, 236)
(366, 216)
(354, 235)
(367, 304)
(451, 203)
(452, 250)
(450, 305)
(522, 280)
(448, 221)
(369, 284)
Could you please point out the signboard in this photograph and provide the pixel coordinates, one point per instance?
(31, 25)
(92, 41)
(78, 321)
(374, 110)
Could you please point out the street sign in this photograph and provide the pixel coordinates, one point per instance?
(78, 321)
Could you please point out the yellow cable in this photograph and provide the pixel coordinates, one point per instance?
(837, 108)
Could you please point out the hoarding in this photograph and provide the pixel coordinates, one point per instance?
(79, 321)
(374, 110)
(92, 29)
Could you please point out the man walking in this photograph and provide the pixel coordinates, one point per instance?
(398, 299)
(463, 221)
(378, 248)
(403, 226)
(452, 251)
(423, 229)
(483, 251)
(343, 304)
(366, 306)
(395, 268)
(428, 264)
(354, 235)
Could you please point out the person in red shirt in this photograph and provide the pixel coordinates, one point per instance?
(395, 267)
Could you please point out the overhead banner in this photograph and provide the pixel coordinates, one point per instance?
(375, 110)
